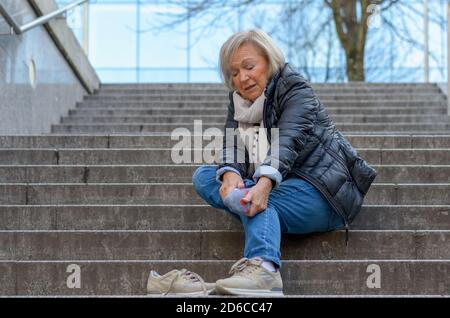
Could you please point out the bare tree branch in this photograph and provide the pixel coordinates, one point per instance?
(309, 39)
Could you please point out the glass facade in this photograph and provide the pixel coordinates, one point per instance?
(126, 40)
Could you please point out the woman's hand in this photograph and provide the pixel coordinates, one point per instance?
(230, 181)
(259, 196)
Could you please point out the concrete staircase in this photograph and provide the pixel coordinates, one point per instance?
(101, 192)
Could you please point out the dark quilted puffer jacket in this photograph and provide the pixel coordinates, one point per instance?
(309, 144)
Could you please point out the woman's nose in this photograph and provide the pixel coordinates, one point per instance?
(244, 76)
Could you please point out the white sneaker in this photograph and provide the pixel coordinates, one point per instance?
(250, 279)
(178, 283)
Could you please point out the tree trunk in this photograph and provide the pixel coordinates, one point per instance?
(355, 66)
(351, 33)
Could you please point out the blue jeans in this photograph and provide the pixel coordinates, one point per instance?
(295, 207)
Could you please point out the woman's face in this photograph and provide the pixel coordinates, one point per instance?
(249, 71)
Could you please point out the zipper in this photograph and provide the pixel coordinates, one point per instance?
(324, 193)
(269, 135)
(330, 200)
(339, 159)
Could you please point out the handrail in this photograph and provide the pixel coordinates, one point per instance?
(9, 19)
(39, 21)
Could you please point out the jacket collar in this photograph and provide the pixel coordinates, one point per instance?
(284, 72)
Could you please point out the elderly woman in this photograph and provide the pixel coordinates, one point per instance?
(309, 178)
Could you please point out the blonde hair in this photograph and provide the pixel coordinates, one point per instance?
(262, 42)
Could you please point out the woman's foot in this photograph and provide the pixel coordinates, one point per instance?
(250, 279)
(233, 201)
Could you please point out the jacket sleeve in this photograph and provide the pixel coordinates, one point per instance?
(233, 156)
(298, 111)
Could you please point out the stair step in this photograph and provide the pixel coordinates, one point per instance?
(403, 277)
(200, 97)
(169, 127)
(164, 141)
(207, 244)
(183, 173)
(332, 111)
(318, 90)
(146, 104)
(337, 86)
(198, 217)
(146, 119)
(147, 156)
(184, 193)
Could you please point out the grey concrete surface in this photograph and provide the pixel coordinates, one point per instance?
(31, 108)
(145, 102)
(170, 111)
(408, 128)
(176, 118)
(147, 156)
(66, 42)
(183, 173)
(220, 245)
(198, 217)
(118, 201)
(407, 277)
(184, 193)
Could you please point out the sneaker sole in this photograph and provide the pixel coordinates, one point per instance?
(192, 294)
(247, 292)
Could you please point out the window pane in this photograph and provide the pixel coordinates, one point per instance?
(112, 35)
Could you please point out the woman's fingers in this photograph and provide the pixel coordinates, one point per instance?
(258, 201)
(254, 204)
(248, 197)
(224, 190)
(231, 181)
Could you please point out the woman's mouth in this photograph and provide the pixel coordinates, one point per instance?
(250, 87)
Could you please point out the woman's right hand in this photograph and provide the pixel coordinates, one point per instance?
(230, 181)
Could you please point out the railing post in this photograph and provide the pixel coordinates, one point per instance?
(86, 28)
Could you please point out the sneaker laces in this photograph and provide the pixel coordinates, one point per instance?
(189, 276)
(244, 266)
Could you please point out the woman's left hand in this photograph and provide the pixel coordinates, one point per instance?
(258, 196)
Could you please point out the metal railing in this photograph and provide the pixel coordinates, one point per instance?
(17, 29)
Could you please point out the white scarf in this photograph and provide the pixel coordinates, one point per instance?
(253, 136)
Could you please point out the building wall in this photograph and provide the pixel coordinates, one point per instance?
(28, 107)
